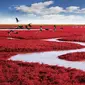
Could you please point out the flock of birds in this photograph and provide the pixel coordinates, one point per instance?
(28, 27)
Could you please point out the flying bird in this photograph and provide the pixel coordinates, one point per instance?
(17, 20)
(29, 25)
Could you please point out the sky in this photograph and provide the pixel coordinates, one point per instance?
(42, 11)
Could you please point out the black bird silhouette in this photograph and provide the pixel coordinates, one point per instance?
(29, 25)
(17, 20)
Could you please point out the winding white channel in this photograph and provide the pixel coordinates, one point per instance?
(51, 57)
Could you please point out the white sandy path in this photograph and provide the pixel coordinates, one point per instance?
(51, 57)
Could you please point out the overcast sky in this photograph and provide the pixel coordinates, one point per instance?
(42, 11)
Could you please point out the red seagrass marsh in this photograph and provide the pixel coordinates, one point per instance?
(42, 56)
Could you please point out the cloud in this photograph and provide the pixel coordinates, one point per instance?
(46, 13)
(7, 20)
(35, 8)
(72, 9)
(46, 19)
(43, 8)
(63, 19)
(75, 9)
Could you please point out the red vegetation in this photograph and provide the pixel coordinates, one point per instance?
(78, 56)
(6, 55)
(37, 26)
(34, 46)
(21, 73)
(34, 26)
(35, 34)
(67, 31)
(79, 38)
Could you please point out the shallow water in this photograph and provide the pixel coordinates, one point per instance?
(51, 57)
